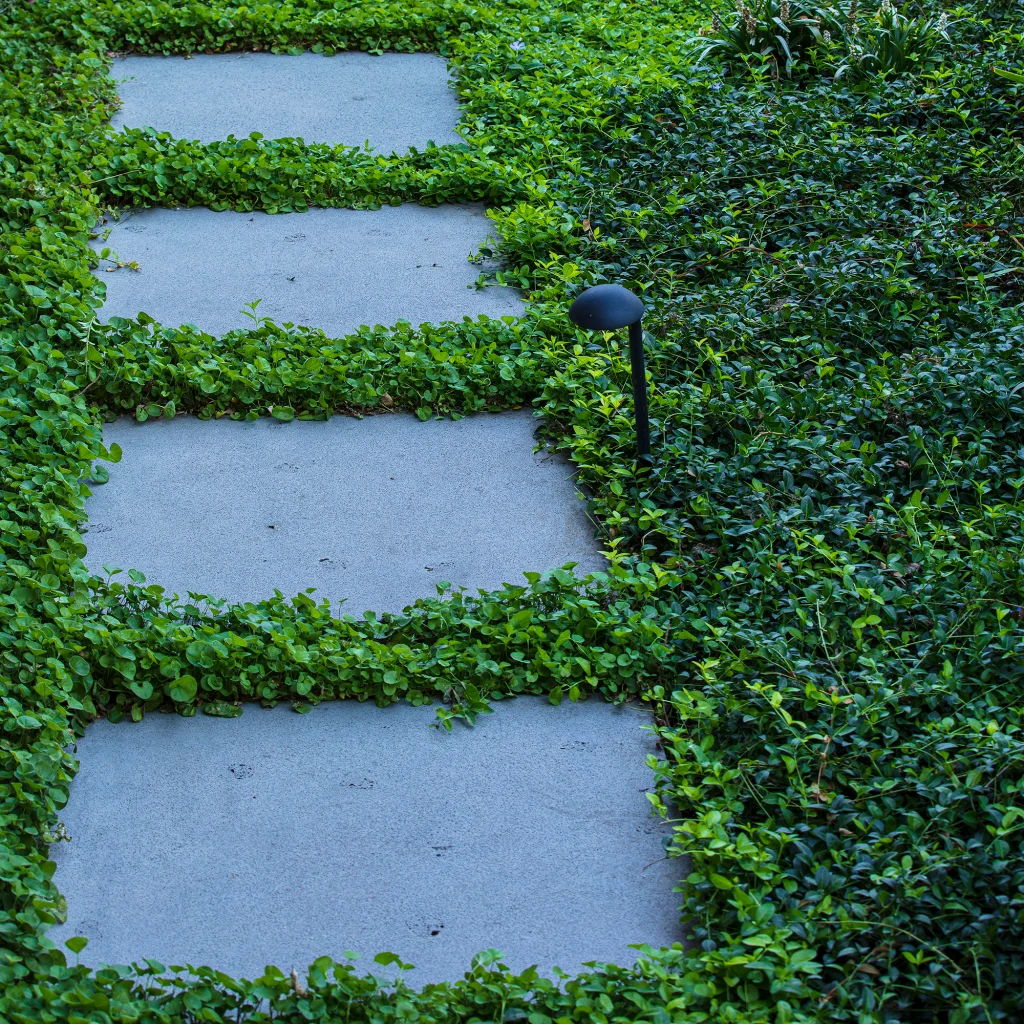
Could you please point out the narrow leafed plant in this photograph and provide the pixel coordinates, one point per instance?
(893, 43)
(846, 43)
(779, 32)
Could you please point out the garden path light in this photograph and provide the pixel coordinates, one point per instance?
(609, 307)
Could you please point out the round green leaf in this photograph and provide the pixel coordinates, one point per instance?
(182, 689)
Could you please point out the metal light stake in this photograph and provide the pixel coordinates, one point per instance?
(609, 307)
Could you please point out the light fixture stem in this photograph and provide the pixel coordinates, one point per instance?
(636, 362)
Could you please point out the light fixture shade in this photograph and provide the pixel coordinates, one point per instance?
(606, 307)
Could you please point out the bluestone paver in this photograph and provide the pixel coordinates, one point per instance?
(278, 838)
(376, 511)
(328, 268)
(393, 101)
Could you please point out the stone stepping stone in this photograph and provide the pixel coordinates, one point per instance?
(278, 838)
(328, 268)
(377, 510)
(394, 101)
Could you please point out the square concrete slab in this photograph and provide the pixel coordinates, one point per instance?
(332, 269)
(393, 101)
(276, 838)
(376, 511)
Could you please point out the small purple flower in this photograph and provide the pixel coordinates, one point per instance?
(517, 45)
(716, 85)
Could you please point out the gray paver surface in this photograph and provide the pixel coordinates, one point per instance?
(278, 838)
(394, 101)
(377, 510)
(328, 268)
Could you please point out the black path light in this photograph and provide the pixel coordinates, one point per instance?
(609, 307)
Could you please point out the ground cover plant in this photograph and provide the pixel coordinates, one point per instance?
(817, 587)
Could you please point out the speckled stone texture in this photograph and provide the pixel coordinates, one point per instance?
(376, 511)
(332, 269)
(392, 101)
(278, 838)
